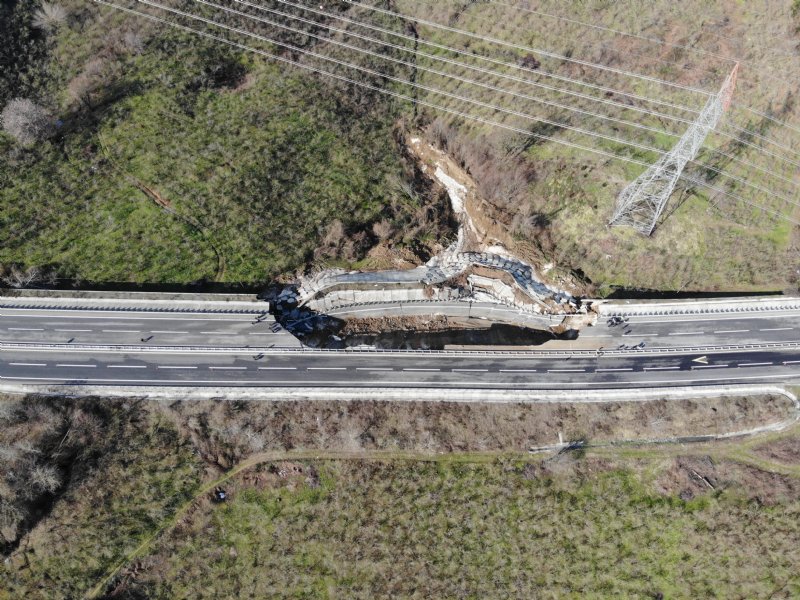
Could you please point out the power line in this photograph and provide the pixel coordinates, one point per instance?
(732, 126)
(328, 39)
(451, 111)
(535, 50)
(616, 104)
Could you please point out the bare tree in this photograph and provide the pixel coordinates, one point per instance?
(45, 478)
(26, 121)
(17, 278)
(50, 16)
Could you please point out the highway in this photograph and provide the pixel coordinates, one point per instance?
(133, 346)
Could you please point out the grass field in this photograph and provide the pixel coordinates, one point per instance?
(322, 513)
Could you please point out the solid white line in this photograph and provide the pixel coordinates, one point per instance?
(732, 331)
(660, 368)
(761, 364)
(518, 371)
(778, 329)
(399, 384)
(66, 365)
(565, 370)
(28, 364)
(24, 329)
(609, 370)
(687, 333)
(228, 368)
(171, 367)
(127, 366)
(120, 331)
(72, 330)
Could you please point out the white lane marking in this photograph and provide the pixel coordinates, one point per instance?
(127, 366)
(732, 331)
(174, 367)
(326, 368)
(639, 335)
(518, 371)
(610, 370)
(228, 368)
(120, 331)
(778, 329)
(24, 329)
(72, 330)
(164, 331)
(219, 332)
(414, 369)
(660, 368)
(761, 364)
(709, 366)
(565, 370)
(400, 384)
(265, 333)
(67, 365)
(28, 364)
(374, 369)
(687, 333)
(277, 368)
(469, 370)
(791, 362)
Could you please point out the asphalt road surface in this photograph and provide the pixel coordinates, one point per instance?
(105, 347)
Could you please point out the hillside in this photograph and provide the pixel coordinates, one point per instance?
(174, 158)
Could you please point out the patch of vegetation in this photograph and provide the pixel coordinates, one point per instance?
(180, 160)
(84, 482)
(441, 529)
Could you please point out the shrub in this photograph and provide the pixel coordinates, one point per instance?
(49, 17)
(26, 121)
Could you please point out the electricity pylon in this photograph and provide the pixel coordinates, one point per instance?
(641, 203)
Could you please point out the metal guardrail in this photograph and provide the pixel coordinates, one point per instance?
(306, 350)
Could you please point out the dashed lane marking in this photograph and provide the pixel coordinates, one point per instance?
(127, 366)
(610, 370)
(518, 370)
(123, 331)
(228, 368)
(174, 367)
(732, 331)
(277, 368)
(564, 370)
(469, 370)
(72, 330)
(28, 364)
(709, 366)
(661, 368)
(412, 369)
(326, 368)
(778, 329)
(761, 364)
(687, 333)
(162, 331)
(24, 329)
(374, 369)
(66, 365)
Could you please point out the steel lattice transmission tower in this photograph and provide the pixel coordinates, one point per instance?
(641, 203)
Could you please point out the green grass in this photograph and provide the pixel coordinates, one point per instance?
(253, 176)
(449, 529)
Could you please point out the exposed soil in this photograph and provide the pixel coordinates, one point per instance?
(692, 476)
(785, 451)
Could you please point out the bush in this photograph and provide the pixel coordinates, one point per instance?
(26, 121)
